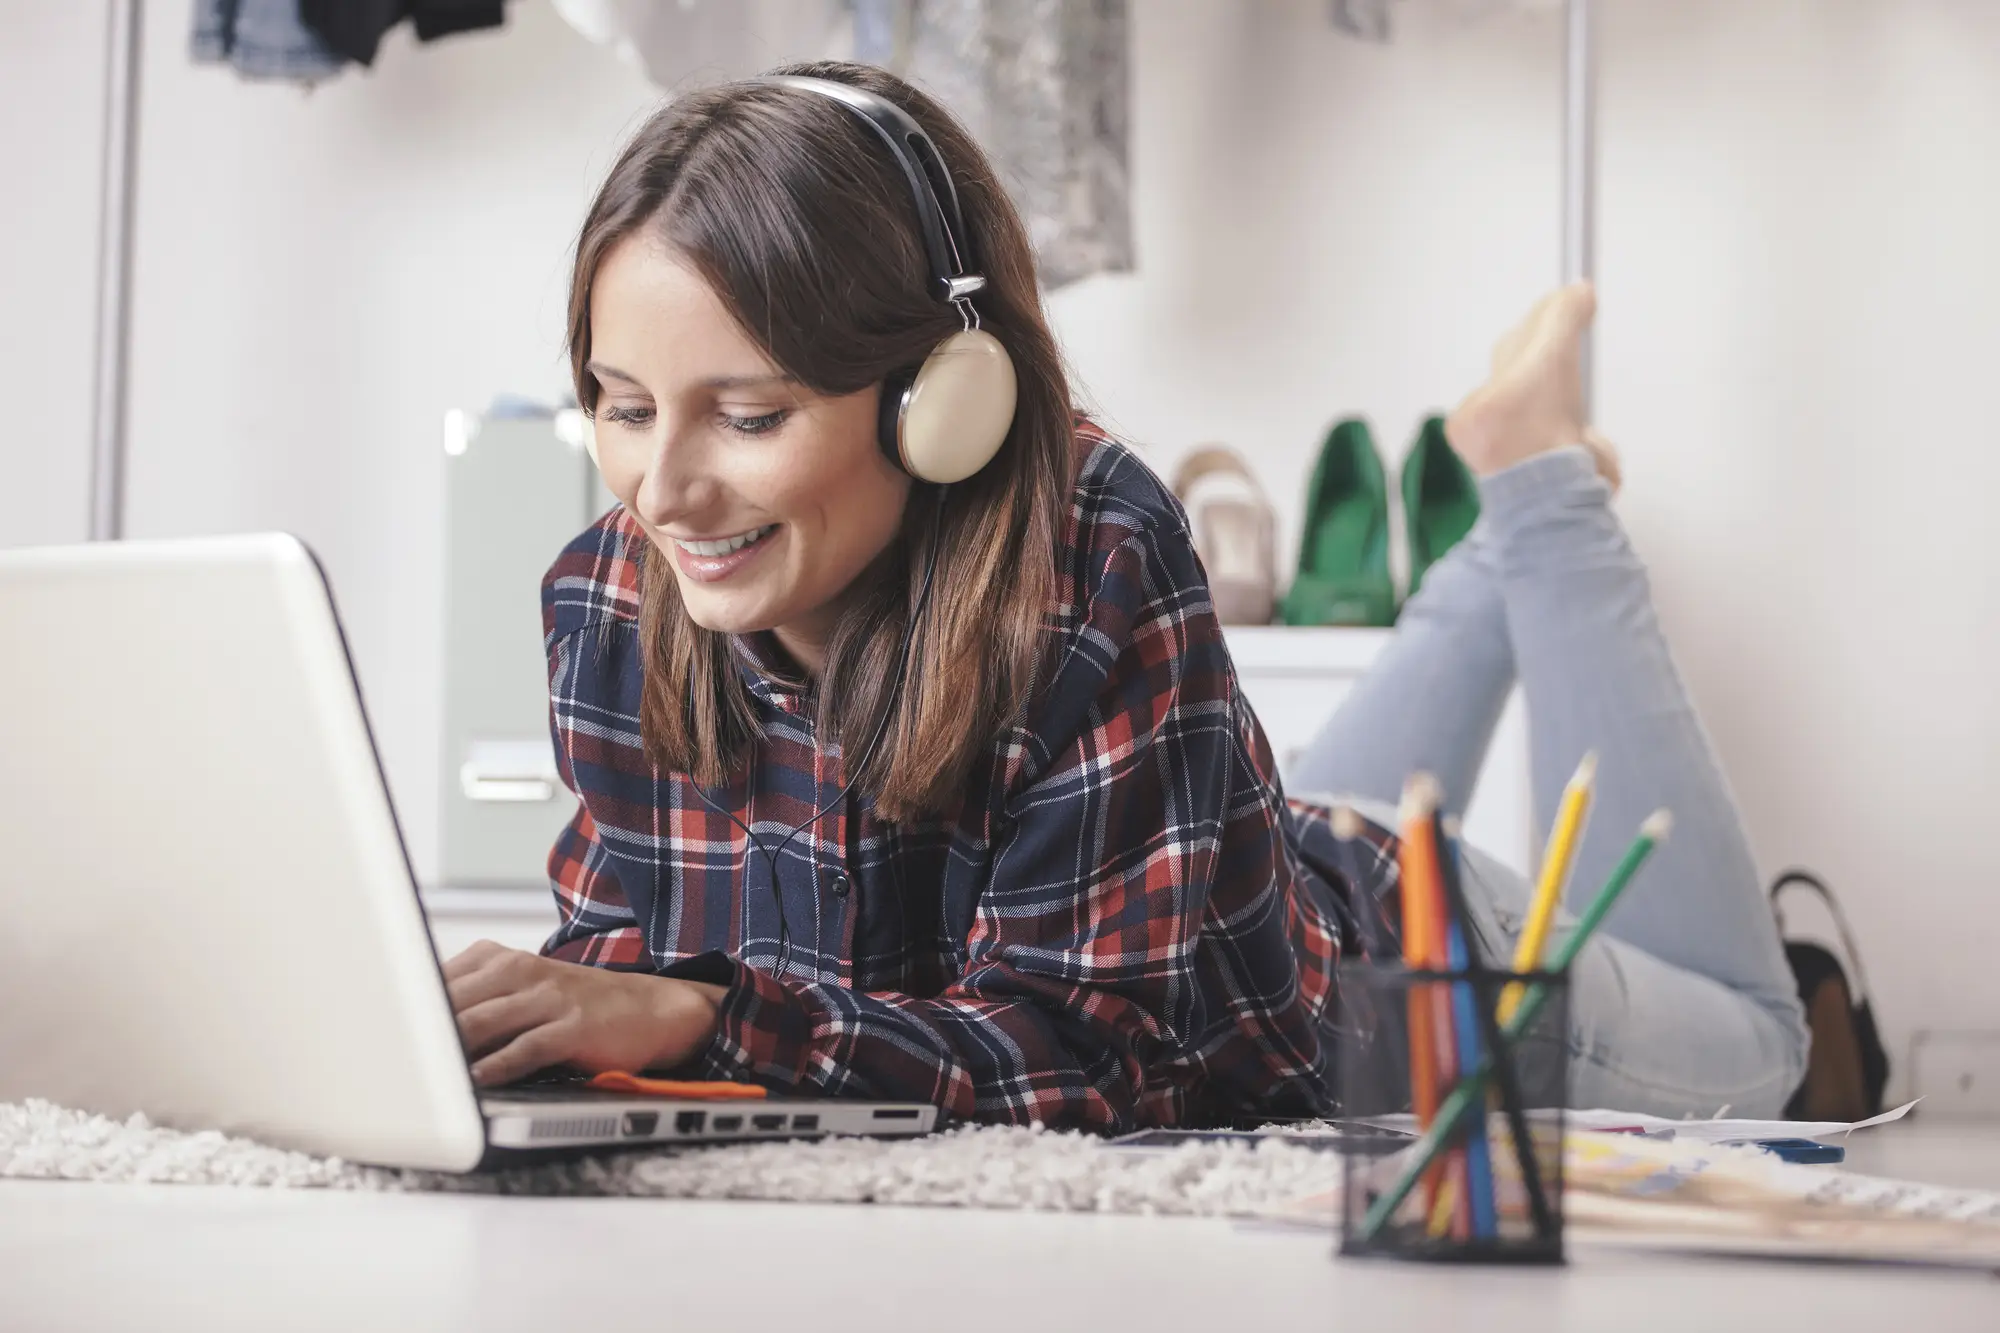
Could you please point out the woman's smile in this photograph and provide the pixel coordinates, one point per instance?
(714, 559)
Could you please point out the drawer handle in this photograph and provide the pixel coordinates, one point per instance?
(508, 771)
(505, 789)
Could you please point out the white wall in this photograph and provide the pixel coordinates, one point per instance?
(1801, 306)
(51, 117)
(1801, 206)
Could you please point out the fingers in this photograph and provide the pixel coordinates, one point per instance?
(494, 971)
(536, 1049)
(513, 1016)
(471, 958)
(485, 1026)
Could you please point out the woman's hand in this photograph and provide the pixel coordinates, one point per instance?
(519, 1012)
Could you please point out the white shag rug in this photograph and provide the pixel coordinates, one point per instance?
(972, 1167)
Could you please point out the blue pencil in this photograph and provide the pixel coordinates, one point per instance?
(1478, 1160)
(1478, 1165)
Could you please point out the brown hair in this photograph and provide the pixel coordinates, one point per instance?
(802, 223)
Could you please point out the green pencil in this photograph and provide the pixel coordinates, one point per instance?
(1471, 1089)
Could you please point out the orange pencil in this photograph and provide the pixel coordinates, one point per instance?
(1423, 949)
(1456, 1195)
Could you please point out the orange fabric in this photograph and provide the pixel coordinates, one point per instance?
(617, 1080)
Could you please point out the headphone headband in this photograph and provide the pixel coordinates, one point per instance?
(945, 419)
(946, 241)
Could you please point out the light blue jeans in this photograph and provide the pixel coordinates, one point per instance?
(1682, 1003)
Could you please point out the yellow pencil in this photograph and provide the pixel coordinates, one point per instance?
(1556, 862)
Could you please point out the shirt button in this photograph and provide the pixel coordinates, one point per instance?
(839, 885)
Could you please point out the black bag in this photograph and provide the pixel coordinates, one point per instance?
(1847, 1069)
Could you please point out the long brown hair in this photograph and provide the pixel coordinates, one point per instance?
(802, 224)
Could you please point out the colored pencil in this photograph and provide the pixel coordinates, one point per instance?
(1484, 1219)
(1451, 1209)
(1557, 859)
(1415, 864)
(1471, 1090)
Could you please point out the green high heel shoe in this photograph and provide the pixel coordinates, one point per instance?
(1343, 576)
(1440, 499)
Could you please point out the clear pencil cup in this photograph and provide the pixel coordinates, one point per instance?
(1475, 1065)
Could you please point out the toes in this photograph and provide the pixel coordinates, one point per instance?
(1508, 349)
(1578, 305)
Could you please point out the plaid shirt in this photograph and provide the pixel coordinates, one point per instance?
(1122, 924)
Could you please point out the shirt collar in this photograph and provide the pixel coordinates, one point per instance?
(768, 672)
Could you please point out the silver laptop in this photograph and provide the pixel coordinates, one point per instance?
(206, 910)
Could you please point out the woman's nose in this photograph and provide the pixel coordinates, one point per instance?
(673, 483)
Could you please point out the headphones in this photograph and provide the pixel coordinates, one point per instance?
(944, 420)
(940, 422)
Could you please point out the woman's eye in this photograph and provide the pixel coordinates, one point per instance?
(763, 425)
(633, 417)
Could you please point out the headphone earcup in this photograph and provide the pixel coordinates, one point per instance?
(889, 415)
(950, 418)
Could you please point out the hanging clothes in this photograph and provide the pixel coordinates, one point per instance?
(309, 41)
(1366, 19)
(1369, 19)
(355, 28)
(1041, 84)
(261, 39)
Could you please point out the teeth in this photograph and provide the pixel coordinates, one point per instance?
(727, 545)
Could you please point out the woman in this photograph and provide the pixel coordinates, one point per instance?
(1061, 883)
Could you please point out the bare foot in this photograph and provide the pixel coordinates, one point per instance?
(1533, 400)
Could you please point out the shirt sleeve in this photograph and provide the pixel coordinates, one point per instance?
(597, 923)
(1087, 999)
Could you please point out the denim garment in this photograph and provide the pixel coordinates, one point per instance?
(263, 39)
(1683, 1001)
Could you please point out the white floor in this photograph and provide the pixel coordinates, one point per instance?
(108, 1258)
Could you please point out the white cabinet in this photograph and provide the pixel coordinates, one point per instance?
(1295, 678)
(515, 494)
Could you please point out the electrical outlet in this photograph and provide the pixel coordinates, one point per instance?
(1957, 1074)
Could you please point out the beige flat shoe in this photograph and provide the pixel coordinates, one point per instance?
(1235, 533)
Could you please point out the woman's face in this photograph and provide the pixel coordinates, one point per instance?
(767, 499)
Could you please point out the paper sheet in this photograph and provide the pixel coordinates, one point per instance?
(1701, 1131)
(1728, 1131)
(1687, 1194)
(1690, 1194)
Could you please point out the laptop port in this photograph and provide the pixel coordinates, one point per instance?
(805, 1123)
(639, 1124)
(768, 1121)
(726, 1124)
(689, 1122)
(895, 1113)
